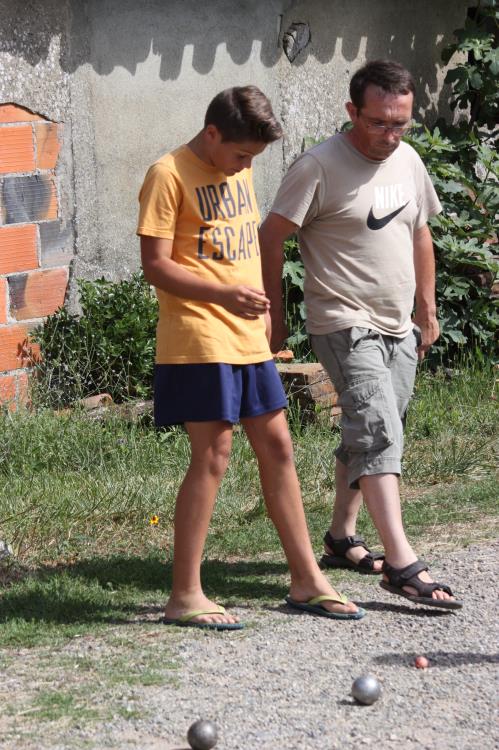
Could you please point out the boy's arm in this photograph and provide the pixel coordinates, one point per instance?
(274, 230)
(426, 308)
(164, 273)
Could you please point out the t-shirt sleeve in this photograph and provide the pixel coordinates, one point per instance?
(428, 202)
(298, 195)
(159, 198)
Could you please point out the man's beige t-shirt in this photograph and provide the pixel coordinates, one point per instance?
(357, 219)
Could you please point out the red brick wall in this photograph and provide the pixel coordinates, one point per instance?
(33, 271)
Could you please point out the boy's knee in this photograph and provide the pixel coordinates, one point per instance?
(279, 448)
(219, 460)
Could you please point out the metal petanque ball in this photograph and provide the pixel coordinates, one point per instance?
(366, 689)
(202, 735)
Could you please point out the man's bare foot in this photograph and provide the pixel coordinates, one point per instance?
(181, 606)
(318, 585)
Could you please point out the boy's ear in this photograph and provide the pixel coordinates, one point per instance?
(212, 133)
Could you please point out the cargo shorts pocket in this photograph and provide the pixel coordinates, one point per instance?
(366, 422)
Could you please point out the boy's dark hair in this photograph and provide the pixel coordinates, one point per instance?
(390, 76)
(243, 113)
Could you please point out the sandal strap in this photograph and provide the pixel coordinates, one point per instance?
(198, 612)
(342, 599)
(341, 546)
(400, 576)
(409, 576)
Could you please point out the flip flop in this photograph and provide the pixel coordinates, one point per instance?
(185, 621)
(314, 607)
(408, 576)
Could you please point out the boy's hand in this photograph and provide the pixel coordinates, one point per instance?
(244, 301)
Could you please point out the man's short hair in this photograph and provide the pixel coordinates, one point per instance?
(243, 113)
(390, 76)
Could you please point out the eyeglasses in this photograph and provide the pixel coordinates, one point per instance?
(379, 129)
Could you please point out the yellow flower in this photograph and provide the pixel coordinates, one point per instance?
(154, 520)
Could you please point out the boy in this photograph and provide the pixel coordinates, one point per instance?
(199, 247)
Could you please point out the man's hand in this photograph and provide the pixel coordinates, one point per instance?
(244, 301)
(430, 332)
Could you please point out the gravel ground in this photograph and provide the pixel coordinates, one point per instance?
(284, 681)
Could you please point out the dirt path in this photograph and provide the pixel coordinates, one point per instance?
(283, 682)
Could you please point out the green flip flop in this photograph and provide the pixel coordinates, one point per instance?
(313, 606)
(185, 621)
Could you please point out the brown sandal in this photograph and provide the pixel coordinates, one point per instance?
(408, 576)
(338, 559)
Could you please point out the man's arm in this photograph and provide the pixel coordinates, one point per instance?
(274, 230)
(164, 273)
(426, 308)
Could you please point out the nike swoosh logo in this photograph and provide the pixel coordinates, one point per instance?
(374, 223)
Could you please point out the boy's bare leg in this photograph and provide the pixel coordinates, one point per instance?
(270, 439)
(210, 450)
(345, 511)
(382, 497)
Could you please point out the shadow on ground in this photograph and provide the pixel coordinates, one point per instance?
(438, 658)
(118, 589)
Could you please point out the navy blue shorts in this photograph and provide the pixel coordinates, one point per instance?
(215, 392)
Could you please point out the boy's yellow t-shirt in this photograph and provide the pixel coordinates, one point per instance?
(213, 222)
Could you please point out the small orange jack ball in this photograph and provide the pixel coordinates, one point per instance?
(421, 662)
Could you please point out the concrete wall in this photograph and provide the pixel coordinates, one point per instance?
(126, 81)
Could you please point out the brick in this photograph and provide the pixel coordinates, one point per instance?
(56, 243)
(47, 145)
(14, 113)
(18, 249)
(22, 389)
(14, 390)
(30, 198)
(36, 294)
(16, 350)
(3, 301)
(16, 149)
(8, 391)
(309, 384)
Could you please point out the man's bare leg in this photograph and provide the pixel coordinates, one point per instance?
(346, 508)
(271, 442)
(382, 497)
(210, 450)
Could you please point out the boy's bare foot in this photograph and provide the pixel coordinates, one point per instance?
(212, 612)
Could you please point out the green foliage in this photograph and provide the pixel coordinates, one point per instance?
(108, 348)
(465, 174)
(475, 81)
(293, 274)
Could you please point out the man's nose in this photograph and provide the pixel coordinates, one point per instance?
(390, 135)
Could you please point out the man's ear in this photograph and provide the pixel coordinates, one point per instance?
(352, 111)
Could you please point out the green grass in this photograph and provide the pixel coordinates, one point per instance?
(77, 496)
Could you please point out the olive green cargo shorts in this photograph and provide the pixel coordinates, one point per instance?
(374, 377)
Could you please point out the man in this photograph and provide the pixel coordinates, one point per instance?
(360, 202)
